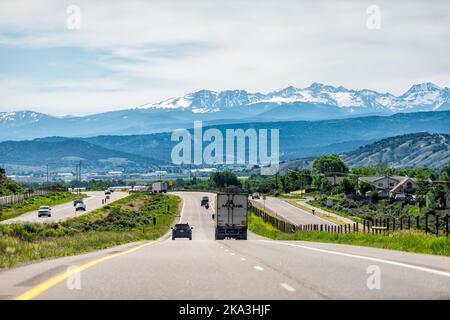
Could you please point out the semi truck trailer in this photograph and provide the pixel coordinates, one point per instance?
(231, 216)
(159, 187)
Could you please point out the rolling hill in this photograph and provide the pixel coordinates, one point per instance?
(410, 150)
(298, 140)
(66, 154)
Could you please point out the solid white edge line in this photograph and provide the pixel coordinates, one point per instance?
(349, 255)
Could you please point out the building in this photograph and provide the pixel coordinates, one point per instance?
(387, 184)
(406, 187)
(65, 176)
(115, 173)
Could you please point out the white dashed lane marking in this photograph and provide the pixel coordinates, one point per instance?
(258, 268)
(287, 287)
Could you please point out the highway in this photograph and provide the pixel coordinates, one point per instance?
(290, 212)
(67, 210)
(203, 268)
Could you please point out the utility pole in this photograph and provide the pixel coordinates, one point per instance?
(276, 180)
(79, 175)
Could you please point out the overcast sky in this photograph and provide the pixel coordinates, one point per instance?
(129, 53)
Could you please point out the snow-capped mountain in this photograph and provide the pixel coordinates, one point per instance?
(209, 101)
(316, 102)
(420, 97)
(19, 118)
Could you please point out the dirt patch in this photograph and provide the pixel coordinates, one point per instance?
(135, 206)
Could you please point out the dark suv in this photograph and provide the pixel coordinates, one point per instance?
(182, 230)
(205, 201)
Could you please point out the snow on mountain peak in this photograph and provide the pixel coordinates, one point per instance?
(418, 96)
(423, 87)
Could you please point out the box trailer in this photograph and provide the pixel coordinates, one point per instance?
(231, 216)
(159, 187)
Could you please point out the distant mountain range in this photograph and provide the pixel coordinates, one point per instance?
(411, 150)
(65, 154)
(316, 102)
(298, 139)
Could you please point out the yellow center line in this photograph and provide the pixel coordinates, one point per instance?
(44, 286)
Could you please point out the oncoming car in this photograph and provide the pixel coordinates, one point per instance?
(80, 207)
(44, 211)
(255, 195)
(182, 230)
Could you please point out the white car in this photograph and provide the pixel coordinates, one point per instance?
(80, 207)
(44, 211)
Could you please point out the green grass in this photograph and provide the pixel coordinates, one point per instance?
(126, 220)
(317, 204)
(33, 203)
(325, 216)
(411, 241)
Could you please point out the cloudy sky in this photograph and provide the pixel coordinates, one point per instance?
(129, 53)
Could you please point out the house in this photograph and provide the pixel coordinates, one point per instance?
(404, 188)
(397, 186)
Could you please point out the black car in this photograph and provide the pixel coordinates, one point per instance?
(205, 201)
(182, 230)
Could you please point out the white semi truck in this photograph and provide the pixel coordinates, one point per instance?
(231, 216)
(159, 187)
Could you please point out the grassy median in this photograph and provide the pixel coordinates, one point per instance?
(126, 220)
(411, 241)
(33, 203)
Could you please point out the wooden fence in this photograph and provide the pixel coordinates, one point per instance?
(7, 200)
(430, 224)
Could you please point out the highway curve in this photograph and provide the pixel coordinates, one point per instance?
(291, 213)
(67, 210)
(258, 268)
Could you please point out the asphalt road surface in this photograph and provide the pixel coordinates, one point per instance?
(290, 212)
(67, 210)
(254, 269)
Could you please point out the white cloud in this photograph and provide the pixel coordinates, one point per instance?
(160, 49)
